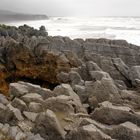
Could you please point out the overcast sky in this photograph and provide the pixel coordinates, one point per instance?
(74, 7)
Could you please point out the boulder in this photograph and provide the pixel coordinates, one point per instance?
(35, 107)
(121, 67)
(93, 103)
(17, 90)
(13, 115)
(84, 73)
(91, 66)
(130, 98)
(75, 78)
(98, 75)
(110, 114)
(13, 131)
(81, 92)
(65, 89)
(31, 136)
(30, 31)
(8, 132)
(20, 135)
(47, 122)
(134, 74)
(32, 97)
(3, 99)
(120, 84)
(107, 129)
(73, 58)
(21, 105)
(30, 115)
(2, 113)
(63, 77)
(61, 103)
(126, 131)
(87, 132)
(32, 88)
(103, 90)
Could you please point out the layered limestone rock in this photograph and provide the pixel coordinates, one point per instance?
(18, 62)
(62, 89)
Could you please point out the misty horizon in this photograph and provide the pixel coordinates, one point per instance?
(38, 13)
(83, 8)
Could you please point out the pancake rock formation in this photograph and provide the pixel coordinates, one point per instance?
(55, 88)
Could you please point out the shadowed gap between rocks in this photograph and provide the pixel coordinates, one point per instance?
(36, 81)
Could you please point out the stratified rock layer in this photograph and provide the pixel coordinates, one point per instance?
(63, 89)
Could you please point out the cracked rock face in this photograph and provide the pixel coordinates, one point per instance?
(55, 88)
(22, 64)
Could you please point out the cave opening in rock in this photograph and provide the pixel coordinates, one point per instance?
(36, 81)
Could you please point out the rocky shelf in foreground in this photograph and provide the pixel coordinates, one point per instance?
(55, 88)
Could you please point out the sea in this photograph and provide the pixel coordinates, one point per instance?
(126, 28)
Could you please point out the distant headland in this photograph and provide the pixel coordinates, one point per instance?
(8, 16)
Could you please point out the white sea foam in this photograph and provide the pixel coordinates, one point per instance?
(97, 27)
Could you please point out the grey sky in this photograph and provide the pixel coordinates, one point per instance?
(74, 7)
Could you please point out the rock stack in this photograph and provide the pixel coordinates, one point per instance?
(55, 88)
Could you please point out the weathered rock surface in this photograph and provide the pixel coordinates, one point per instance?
(134, 74)
(88, 132)
(48, 126)
(110, 114)
(62, 89)
(126, 131)
(103, 90)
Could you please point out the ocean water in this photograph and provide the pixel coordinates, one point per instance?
(127, 28)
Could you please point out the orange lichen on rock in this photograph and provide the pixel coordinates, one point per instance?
(21, 63)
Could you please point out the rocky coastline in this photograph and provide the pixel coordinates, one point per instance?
(56, 88)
